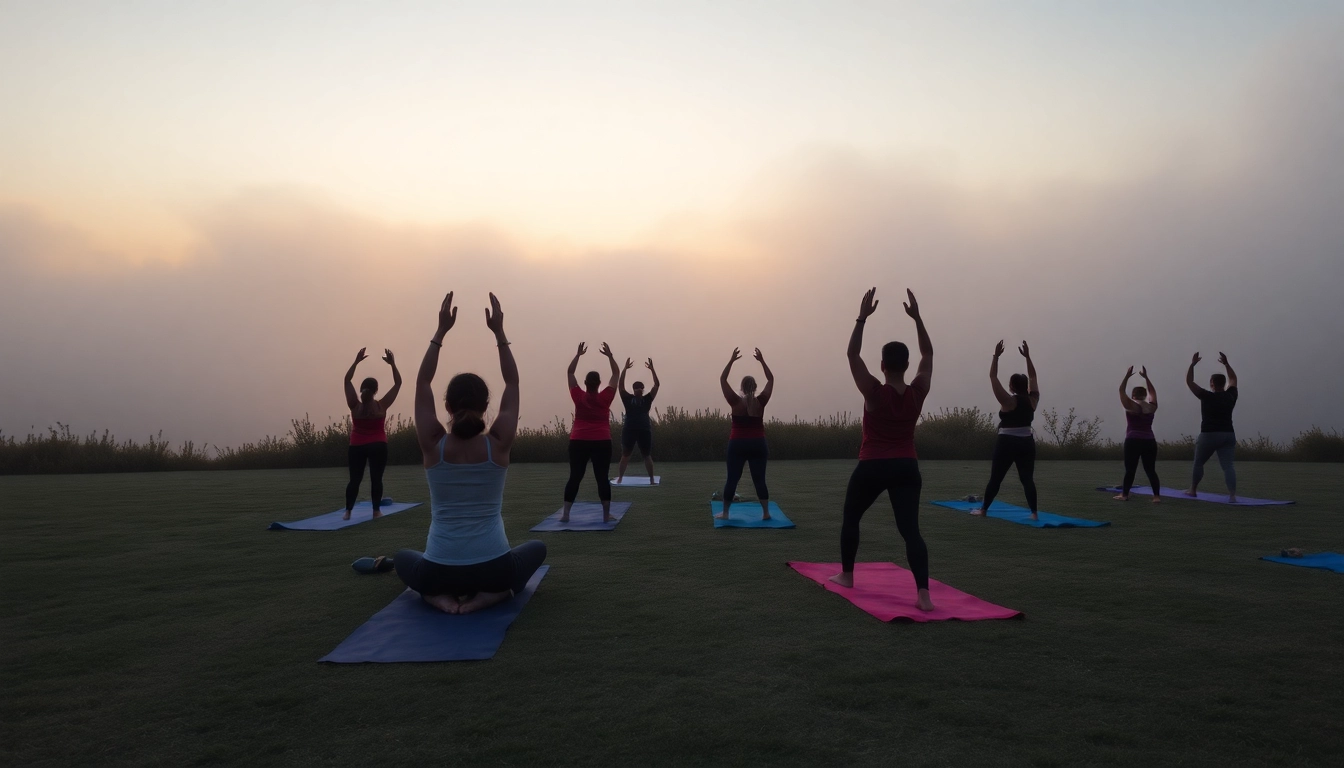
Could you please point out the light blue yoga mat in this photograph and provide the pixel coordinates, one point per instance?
(362, 513)
(584, 516)
(1022, 516)
(408, 629)
(1329, 561)
(747, 514)
(1216, 498)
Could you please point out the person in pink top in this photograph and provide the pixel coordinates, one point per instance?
(368, 431)
(1140, 442)
(887, 460)
(590, 436)
(746, 438)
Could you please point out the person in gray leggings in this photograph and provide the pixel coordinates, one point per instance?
(1216, 434)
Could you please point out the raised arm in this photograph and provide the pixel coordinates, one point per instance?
(727, 388)
(352, 397)
(1190, 376)
(621, 384)
(428, 428)
(1033, 386)
(615, 368)
(506, 421)
(924, 375)
(391, 396)
(769, 378)
(1125, 399)
(1152, 391)
(1005, 399)
(574, 365)
(652, 392)
(1231, 374)
(865, 381)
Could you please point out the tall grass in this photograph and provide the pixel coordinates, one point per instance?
(679, 435)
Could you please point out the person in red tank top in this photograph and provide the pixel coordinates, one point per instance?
(746, 439)
(887, 460)
(590, 436)
(368, 431)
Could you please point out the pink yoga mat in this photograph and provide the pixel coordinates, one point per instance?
(887, 592)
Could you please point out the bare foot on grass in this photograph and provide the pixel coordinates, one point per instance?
(1191, 492)
(1157, 500)
(377, 514)
(483, 600)
(1120, 497)
(843, 579)
(924, 602)
(979, 513)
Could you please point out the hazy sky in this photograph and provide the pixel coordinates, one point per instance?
(205, 209)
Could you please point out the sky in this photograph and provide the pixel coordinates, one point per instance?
(206, 209)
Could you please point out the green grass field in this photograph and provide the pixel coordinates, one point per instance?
(152, 619)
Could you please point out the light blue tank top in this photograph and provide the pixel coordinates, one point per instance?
(465, 500)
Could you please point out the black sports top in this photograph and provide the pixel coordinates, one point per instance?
(1216, 409)
(1020, 416)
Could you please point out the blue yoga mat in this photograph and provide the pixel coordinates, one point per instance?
(1216, 498)
(410, 630)
(1330, 561)
(584, 516)
(362, 513)
(747, 514)
(1022, 516)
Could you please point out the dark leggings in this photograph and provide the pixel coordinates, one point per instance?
(581, 452)
(901, 480)
(1141, 449)
(510, 570)
(375, 454)
(1010, 450)
(744, 451)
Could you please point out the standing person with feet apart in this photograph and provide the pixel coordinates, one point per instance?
(590, 436)
(637, 428)
(746, 440)
(368, 432)
(1140, 442)
(887, 460)
(1215, 429)
(467, 564)
(1016, 443)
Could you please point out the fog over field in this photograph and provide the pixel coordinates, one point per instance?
(1228, 236)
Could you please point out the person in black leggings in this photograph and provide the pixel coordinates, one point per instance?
(746, 439)
(1140, 442)
(368, 432)
(887, 459)
(1016, 444)
(590, 436)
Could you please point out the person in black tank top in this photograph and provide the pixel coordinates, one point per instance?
(1216, 434)
(1015, 444)
(637, 429)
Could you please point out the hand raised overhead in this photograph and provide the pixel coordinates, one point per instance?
(649, 364)
(869, 304)
(447, 314)
(628, 364)
(1195, 360)
(737, 355)
(360, 356)
(494, 316)
(606, 350)
(583, 349)
(1142, 371)
(998, 348)
(1129, 372)
(911, 306)
(759, 357)
(1222, 359)
(1026, 351)
(387, 357)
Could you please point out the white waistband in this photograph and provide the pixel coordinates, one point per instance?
(1017, 431)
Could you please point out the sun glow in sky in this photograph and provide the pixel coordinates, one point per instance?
(584, 124)
(206, 208)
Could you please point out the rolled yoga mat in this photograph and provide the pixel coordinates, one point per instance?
(1022, 516)
(584, 516)
(887, 591)
(747, 514)
(1216, 498)
(408, 629)
(637, 482)
(1329, 561)
(362, 513)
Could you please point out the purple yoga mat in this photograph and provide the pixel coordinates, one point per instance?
(1216, 498)
(887, 591)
